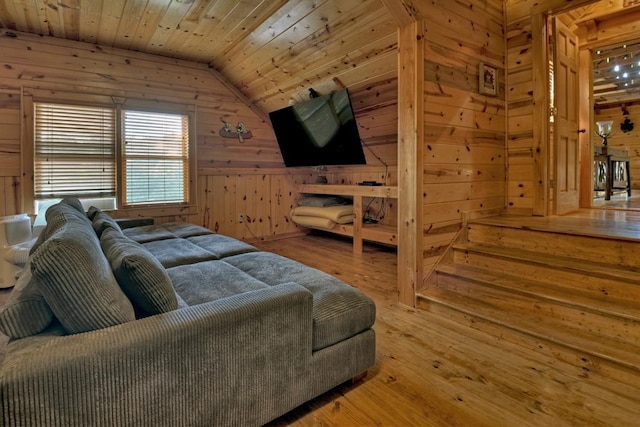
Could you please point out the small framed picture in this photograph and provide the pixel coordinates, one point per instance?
(488, 80)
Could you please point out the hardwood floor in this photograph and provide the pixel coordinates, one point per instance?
(619, 200)
(436, 371)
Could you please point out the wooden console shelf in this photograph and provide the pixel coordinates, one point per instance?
(380, 233)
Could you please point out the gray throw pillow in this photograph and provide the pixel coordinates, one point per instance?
(26, 312)
(76, 280)
(73, 202)
(139, 273)
(91, 212)
(65, 208)
(102, 221)
(56, 216)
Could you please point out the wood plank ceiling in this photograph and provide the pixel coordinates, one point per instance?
(254, 44)
(609, 28)
(616, 74)
(257, 45)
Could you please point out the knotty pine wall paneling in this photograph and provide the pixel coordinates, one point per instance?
(233, 177)
(628, 141)
(519, 95)
(9, 152)
(264, 199)
(464, 131)
(9, 195)
(63, 70)
(527, 141)
(9, 132)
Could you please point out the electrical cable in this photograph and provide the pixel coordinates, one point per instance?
(386, 167)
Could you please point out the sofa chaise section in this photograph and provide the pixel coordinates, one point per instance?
(220, 332)
(204, 365)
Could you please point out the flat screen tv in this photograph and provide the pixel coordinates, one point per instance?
(319, 132)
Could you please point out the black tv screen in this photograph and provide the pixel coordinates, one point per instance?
(319, 132)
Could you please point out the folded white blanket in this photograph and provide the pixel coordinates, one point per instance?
(313, 222)
(342, 214)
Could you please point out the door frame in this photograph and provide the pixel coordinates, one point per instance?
(587, 105)
(541, 102)
(541, 132)
(586, 118)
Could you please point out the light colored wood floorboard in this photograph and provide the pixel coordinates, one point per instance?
(435, 371)
(622, 224)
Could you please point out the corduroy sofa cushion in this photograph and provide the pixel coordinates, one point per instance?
(67, 207)
(339, 311)
(210, 280)
(184, 230)
(102, 221)
(56, 216)
(148, 233)
(76, 280)
(26, 312)
(172, 252)
(222, 246)
(140, 274)
(74, 203)
(92, 211)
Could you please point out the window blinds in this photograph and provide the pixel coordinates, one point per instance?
(74, 151)
(156, 157)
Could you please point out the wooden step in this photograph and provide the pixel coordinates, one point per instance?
(570, 288)
(602, 281)
(599, 249)
(624, 309)
(455, 276)
(536, 324)
(584, 319)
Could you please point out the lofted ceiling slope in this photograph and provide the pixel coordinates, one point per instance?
(256, 45)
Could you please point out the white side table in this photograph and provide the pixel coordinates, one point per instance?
(15, 242)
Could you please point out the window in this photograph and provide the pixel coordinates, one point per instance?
(76, 150)
(156, 157)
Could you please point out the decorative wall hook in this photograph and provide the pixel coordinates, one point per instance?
(626, 126)
(240, 131)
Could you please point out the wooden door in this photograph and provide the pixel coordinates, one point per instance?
(566, 120)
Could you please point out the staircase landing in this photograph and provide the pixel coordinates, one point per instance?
(619, 224)
(571, 282)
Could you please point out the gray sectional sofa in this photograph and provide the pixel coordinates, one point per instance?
(171, 325)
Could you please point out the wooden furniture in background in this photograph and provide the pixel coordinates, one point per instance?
(608, 176)
(380, 233)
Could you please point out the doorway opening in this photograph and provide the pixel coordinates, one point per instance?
(609, 102)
